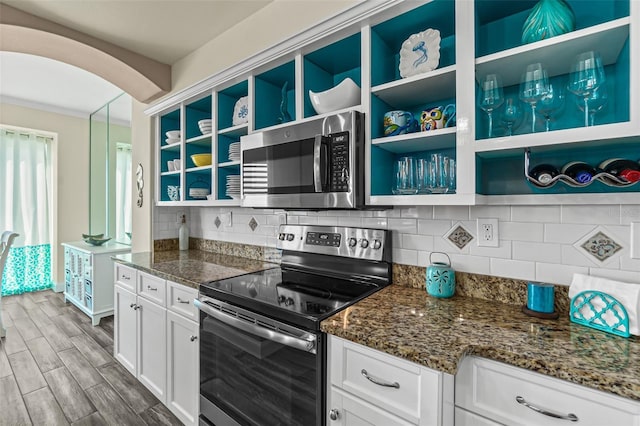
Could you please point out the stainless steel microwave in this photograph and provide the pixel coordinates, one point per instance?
(316, 164)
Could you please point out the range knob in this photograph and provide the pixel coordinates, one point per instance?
(281, 236)
(364, 243)
(289, 237)
(352, 242)
(376, 244)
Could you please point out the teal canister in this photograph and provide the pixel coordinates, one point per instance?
(441, 278)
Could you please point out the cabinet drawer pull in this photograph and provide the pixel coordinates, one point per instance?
(183, 301)
(125, 277)
(571, 417)
(379, 382)
(334, 414)
(193, 338)
(152, 288)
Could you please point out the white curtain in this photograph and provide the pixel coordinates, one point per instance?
(25, 179)
(123, 192)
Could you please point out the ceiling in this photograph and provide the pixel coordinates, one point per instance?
(164, 30)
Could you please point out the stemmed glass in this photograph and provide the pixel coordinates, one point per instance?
(596, 102)
(491, 97)
(587, 74)
(511, 115)
(551, 102)
(533, 87)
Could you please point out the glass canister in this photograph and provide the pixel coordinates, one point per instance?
(441, 278)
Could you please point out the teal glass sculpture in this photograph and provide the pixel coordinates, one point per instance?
(548, 18)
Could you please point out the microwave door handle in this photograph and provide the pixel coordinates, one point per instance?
(317, 164)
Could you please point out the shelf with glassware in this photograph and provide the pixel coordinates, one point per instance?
(566, 96)
(413, 108)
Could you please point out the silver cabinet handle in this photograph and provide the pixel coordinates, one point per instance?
(334, 414)
(193, 338)
(152, 288)
(571, 417)
(124, 277)
(183, 301)
(132, 305)
(135, 307)
(378, 381)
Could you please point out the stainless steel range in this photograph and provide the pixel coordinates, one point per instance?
(262, 354)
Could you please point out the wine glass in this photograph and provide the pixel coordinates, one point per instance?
(587, 74)
(491, 97)
(533, 87)
(551, 102)
(595, 103)
(511, 116)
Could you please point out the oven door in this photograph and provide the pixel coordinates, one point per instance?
(257, 371)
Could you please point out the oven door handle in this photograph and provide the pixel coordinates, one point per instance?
(257, 330)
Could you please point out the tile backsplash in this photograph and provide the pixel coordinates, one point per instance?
(540, 243)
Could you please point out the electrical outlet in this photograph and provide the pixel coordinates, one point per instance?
(488, 232)
(226, 219)
(179, 217)
(635, 240)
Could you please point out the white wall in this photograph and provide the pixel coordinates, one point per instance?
(536, 242)
(71, 203)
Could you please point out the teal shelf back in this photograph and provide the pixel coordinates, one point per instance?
(601, 311)
(227, 99)
(268, 95)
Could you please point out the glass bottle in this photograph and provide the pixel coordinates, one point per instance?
(622, 168)
(183, 234)
(579, 171)
(543, 174)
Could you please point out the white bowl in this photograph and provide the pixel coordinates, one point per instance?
(173, 134)
(344, 95)
(171, 141)
(206, 122)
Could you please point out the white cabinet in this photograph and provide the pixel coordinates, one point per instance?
(156, 338)
(509, 395)
(152, 347)
(403, 392)
(125, 332)
(182, 367)
(87, 276)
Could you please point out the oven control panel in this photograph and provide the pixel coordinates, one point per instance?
(360, 243)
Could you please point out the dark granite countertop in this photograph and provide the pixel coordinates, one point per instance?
(438, 333)
(192, 267)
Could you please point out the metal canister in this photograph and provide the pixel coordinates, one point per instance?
(441, 278)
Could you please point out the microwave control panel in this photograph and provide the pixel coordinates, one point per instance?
(340, 162)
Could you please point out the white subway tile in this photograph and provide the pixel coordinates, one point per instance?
(521, 231)
(405, 257)
(453, 213)
(540, 214)
(409, 212)
(565, 233)
(601, 215)
(538, 252)
(308, 220)
(407, 226)
(444, 245)
(621, 234)
(572, 256)
(503, 251)
(500, 212)
(557, 274)
(518, 269)
(423, 258)
(327, 220)
(433, 227)
(350, 221)
(629, 213)
(375, 222)
(628, 264)
(616, 274)
(417, 242)
(472, 264)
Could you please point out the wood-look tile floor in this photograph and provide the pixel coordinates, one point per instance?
(57, 369)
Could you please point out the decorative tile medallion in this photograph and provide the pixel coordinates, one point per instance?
(600, 246)
(217, 222)
(253, 224)
(459, 236)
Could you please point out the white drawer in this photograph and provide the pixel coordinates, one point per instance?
(180, 300)
(418, 397)
(125, 276)
(152, 288)
(467, 418)
(490, 388)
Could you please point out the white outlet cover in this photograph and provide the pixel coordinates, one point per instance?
(495, 241)
(635, 240)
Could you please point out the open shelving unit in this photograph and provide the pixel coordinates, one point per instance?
(478, 37)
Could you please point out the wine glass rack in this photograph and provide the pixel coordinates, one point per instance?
(602, 176)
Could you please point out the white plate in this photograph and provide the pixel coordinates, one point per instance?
(171, 141)
(241, 111)
(420, 53)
